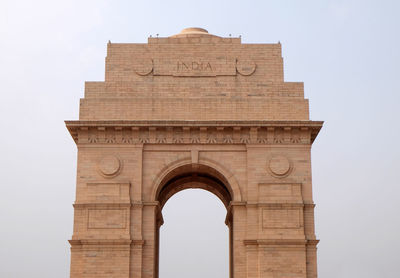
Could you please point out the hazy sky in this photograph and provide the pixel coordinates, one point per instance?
(346, 52)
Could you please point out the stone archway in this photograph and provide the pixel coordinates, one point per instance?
(194, 110)
(193, 176)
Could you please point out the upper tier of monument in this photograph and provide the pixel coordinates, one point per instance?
(194, 75)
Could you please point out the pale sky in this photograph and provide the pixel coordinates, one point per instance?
(345, 51)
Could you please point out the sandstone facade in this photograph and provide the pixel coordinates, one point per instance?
(194, 110)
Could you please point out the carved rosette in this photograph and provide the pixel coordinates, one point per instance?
(279, 166)
(245, 67)
(109, 166)
(143, 66)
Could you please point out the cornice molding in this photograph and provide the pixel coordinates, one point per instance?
(101, 205)
(191, 123)
(194, 132)
(280, 242)
(112, 242)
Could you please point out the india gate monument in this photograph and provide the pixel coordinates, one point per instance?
(194, 110)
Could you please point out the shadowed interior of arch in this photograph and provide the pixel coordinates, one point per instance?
(194, 176)
(194, 180)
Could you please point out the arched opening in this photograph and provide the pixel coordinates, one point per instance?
(194, 176)
(194, 241)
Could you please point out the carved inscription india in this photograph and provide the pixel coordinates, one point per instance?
(193, 66)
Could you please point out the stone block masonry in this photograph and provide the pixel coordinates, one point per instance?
(194, 110)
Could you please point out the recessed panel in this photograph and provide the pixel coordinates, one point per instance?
(281, 218)
(107, 219)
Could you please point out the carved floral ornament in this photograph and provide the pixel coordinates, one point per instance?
(245, 67)
(279, 165)
(112, 133)
(109, 166)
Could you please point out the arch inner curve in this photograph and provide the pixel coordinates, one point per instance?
(194, 176)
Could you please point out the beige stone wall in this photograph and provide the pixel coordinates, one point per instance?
(193, 110)
(202, 78)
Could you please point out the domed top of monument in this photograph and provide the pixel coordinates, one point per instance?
(192, 32)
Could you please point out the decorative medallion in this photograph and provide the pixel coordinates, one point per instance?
(109, 166)
(245, 67)
(143, 66)
(279, 166)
